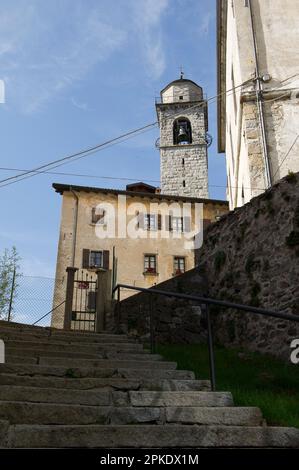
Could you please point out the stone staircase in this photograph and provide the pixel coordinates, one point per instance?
(70, 389)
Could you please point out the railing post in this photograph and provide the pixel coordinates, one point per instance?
(11, 294)
(211, 350)
(152, 326)
(69, 297)
(103, 298)
(118, 318)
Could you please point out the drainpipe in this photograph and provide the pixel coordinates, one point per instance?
(75, 225)
(259, 100)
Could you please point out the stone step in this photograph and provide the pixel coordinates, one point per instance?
(13, 355)
(63, 414)
(49, 344)
(147, 436)
(185, 398)
(142, 362)
(103, 372)
(106, 383)
(48, 331)
(106, 397)
(6, 333)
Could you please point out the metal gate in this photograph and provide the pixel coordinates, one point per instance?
(84, 301)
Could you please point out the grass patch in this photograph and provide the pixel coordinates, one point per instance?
(254, 379)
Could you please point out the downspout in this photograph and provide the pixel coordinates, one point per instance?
(75, 226)
(259, 101)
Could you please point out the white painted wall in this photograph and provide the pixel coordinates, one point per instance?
(277, 33)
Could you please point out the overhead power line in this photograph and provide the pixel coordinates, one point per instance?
(116, 178)
(83, 153)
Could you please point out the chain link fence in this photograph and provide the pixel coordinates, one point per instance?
(32, 300)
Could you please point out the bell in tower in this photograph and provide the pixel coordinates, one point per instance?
(182, 132)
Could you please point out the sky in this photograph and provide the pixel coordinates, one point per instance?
(80, 72)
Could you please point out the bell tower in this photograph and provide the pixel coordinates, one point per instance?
(182, 117)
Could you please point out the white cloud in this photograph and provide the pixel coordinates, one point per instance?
(147, 17)
(42, 54)
(47, 47)
(205, 23)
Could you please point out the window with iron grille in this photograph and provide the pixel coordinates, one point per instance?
(179, 265)
(96, 259)
(150, 264)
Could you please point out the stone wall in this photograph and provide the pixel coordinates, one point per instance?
(250, 256)
(176, 321)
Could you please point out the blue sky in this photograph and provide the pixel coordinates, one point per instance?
(76, 73)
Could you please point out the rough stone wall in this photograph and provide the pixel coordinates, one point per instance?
(194, 170)
(176, 321)
(250, 256)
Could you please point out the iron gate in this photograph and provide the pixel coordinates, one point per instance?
(84, 301)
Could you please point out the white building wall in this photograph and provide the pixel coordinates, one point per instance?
(277, 31)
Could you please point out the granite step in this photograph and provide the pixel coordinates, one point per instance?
(13, 355)
(49, 344)
(92, 363)
(147, 436)
(117, 398)
(114, 383)
(70, 414)
(7, 333)
(104, 372)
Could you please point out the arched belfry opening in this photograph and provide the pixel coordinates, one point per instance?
(182, 132)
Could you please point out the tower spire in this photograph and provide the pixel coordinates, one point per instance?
(181, 73)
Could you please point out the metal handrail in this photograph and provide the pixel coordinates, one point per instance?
(48, 313)
(205, 301)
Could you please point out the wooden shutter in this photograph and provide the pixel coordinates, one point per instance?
(93, 215)
(106, 259)
(140, 217)
(85, 259)
(96, 217)
(187, 224)
(159, 222)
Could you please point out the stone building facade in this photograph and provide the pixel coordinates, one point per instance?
(152, 241)
(258, 87)
(182, 116)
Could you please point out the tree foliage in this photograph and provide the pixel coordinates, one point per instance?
(9, 264)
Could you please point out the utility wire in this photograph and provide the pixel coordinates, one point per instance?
(286, 155)
(96, 148)
(120, 178)
(90, 150)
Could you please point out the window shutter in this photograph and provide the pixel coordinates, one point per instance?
(140, 218)
(93, 215)
(159, 222)
(106, 259)
(85, 259)
(187, 224)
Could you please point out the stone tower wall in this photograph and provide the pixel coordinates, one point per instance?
(184, 168)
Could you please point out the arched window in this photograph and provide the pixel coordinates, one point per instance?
(182, 133)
